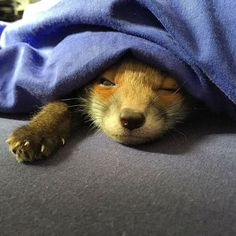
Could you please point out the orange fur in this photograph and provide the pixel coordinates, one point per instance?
(128, 74)
(135, 86)
(131, 102)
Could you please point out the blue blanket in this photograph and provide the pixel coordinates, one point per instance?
(65, 47)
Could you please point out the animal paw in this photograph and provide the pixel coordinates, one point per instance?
(28, 144)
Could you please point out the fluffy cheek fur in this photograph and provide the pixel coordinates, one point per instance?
(158, 119)
(141, 89)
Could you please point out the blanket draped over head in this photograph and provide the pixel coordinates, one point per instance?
(48, 54)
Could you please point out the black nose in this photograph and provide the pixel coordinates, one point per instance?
(131, 119)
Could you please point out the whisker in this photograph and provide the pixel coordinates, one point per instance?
(179, 132)
(68, 99)
(77, 105)
(177, 90)
(98, 132)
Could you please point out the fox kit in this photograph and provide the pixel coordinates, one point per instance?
(131, 102)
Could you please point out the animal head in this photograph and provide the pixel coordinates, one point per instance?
(134, 103)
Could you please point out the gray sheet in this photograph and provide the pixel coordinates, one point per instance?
(183, 184)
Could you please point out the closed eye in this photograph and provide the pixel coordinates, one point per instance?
(171, 90)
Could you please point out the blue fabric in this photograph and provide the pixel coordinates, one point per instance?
(65, 47)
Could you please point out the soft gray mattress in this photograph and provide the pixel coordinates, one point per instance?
(183, 184)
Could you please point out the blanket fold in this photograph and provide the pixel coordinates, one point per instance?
(49, 54)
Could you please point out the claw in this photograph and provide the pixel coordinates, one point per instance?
(27, 143)
(63, 141)
(19, 160)
(17, 144)
(9, 140)
(42, 148)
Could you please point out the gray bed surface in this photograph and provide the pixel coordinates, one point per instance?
(182, 184)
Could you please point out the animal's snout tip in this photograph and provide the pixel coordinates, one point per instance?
(131, 119)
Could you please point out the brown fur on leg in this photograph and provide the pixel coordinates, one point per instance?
(48, 130)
